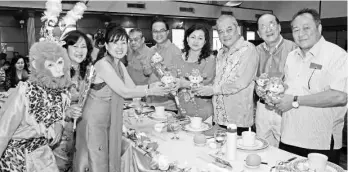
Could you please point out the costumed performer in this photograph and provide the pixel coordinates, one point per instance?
(33, 116)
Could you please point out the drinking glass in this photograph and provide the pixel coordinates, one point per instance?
(175, 127)
(220, 137)
(138, 111)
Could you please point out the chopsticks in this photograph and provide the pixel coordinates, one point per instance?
(266, 163)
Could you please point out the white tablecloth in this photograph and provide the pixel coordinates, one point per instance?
(186, 153)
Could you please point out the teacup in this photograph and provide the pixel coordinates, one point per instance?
(317, 162)
(248, 138)
(159, 110)
(136, 100)
(196, 122)
(159, 127)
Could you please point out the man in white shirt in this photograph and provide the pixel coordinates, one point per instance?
(314, 104)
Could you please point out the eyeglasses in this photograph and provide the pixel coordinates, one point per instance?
(135, 39)
(271, 26)
(162, 31)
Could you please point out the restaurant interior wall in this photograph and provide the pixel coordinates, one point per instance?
(333, 14)
(118, 13)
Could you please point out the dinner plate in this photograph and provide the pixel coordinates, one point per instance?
(147, 110)
(281, 168)
(259, 144)
(156, 117)
(302, 165)
(204, 127)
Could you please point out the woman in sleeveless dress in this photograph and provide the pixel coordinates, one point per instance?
(98, 134)
(197, 56)
(79, 49)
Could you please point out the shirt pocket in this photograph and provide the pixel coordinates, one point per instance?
(318, 80)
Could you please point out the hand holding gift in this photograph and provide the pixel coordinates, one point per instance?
(159, 89)
(270, 89)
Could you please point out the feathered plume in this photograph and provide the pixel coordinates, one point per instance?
(68, 22)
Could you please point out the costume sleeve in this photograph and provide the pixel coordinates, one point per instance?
(11, 115)
(245, 74)
(209, 70)
(2, 76)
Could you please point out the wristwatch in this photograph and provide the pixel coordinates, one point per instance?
(295, 103)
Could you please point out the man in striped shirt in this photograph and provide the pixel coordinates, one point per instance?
(273, 53)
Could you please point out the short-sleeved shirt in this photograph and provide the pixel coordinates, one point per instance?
(311, 127)
(139, 67)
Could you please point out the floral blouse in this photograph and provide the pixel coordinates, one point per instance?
(197, 105)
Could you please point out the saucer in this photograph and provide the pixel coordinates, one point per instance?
(200, 144)
(259, 144)
(302, 165)
(156, 117)
(251, 167)
(240, 143)
(204, 127)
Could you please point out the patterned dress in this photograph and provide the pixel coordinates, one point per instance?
(201, 106)
(26, 120)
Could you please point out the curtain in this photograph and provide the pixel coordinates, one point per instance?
(31, 30)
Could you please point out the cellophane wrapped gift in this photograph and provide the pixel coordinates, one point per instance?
(270, 89)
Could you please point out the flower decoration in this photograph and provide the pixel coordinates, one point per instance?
(157, 64)
(142, 141)
(270, 89)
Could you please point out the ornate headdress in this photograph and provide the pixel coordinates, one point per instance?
(66, 23)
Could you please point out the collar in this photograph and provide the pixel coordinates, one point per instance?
(276, 47)
(140, 50)
(237, 45)
(314, 51)
(164, 45)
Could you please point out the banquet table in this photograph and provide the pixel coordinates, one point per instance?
(186, 153)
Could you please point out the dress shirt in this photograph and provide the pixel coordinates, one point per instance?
(273, 62)
(139, 67)
(233, 86)
(311, 127)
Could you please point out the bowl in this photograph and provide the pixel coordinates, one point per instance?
(199, 139)
(253, 160)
